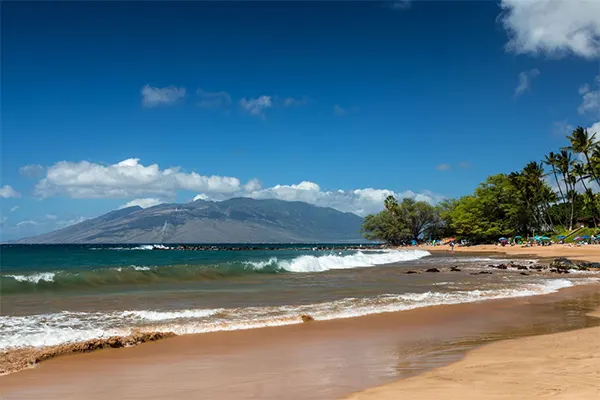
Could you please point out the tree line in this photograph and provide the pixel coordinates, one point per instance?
(545, 197)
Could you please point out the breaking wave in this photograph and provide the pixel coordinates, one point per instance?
(67, 327)
(133, 274)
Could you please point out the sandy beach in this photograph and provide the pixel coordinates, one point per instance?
(561, 366)
(332, 359)
(589, 253)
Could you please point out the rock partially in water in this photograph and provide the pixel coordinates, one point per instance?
(306, 318)
(432, 270)
(562, 263)
(411, 272)
(455, 269)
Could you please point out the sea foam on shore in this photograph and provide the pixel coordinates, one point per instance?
(68, 327)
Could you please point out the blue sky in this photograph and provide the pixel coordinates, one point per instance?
(113, 103)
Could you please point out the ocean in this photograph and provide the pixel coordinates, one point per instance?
(57, 294)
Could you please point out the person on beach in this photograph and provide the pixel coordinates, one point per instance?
(452, 246)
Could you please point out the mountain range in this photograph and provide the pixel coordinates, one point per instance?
(238, 220)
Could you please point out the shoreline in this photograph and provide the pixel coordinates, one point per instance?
(275, 348)
(589, 253)
(562, 365)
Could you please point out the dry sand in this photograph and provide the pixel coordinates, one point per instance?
(561, 366)
(583, 253)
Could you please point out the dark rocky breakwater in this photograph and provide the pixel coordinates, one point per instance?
(269, 248)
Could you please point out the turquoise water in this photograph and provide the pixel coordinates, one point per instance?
(67, 293)
(35, 268)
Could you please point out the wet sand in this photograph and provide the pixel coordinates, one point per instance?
(561, 366)
(315, 360)
(589, 253)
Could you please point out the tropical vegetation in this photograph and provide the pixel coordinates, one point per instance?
(554, 195)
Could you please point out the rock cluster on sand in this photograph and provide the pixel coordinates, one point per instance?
(15, 360)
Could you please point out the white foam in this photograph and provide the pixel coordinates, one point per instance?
(34, 278)
(308, 263)
(141, 247)
(169, 315)
(64, 327)
(262, 264)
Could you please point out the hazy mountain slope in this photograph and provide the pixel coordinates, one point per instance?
(231, 221)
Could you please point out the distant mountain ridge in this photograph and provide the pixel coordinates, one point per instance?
(238, 220)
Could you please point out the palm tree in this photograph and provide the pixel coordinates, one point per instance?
(552, 160)
(583, 143)
(564, 162)
(580, 170)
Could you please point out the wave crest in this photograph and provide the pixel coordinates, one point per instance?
(135, 274)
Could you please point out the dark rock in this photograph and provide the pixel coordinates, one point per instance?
(432, 270)
(522, 267)
(306, 318)
(501, 266)
(454, 269)
(411, 272)
(562, 263)
(524, 273)
(484, 273)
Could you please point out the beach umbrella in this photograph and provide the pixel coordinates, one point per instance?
(561, 237)
(518, 237)
(503, 239)
(577, 238)
(585, 237)
(545, 238)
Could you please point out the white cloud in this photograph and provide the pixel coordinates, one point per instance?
(443, 167)
(256, 106)
(595, 128)
(339, 111)
(590, 102)
(14, 208)
(525, 79)
(291, 101)
(400, 4)
(213, 99)
(359, 201)
(553, 27)
(464, 165)
(584, 89)
(27, 222)
(69, 222)
(127, 178)
(253, 185)
(154, 96)
(7, 191)
(202, 196)
(32, 170)
(562, 128)
(51, 217)
(144, 203)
